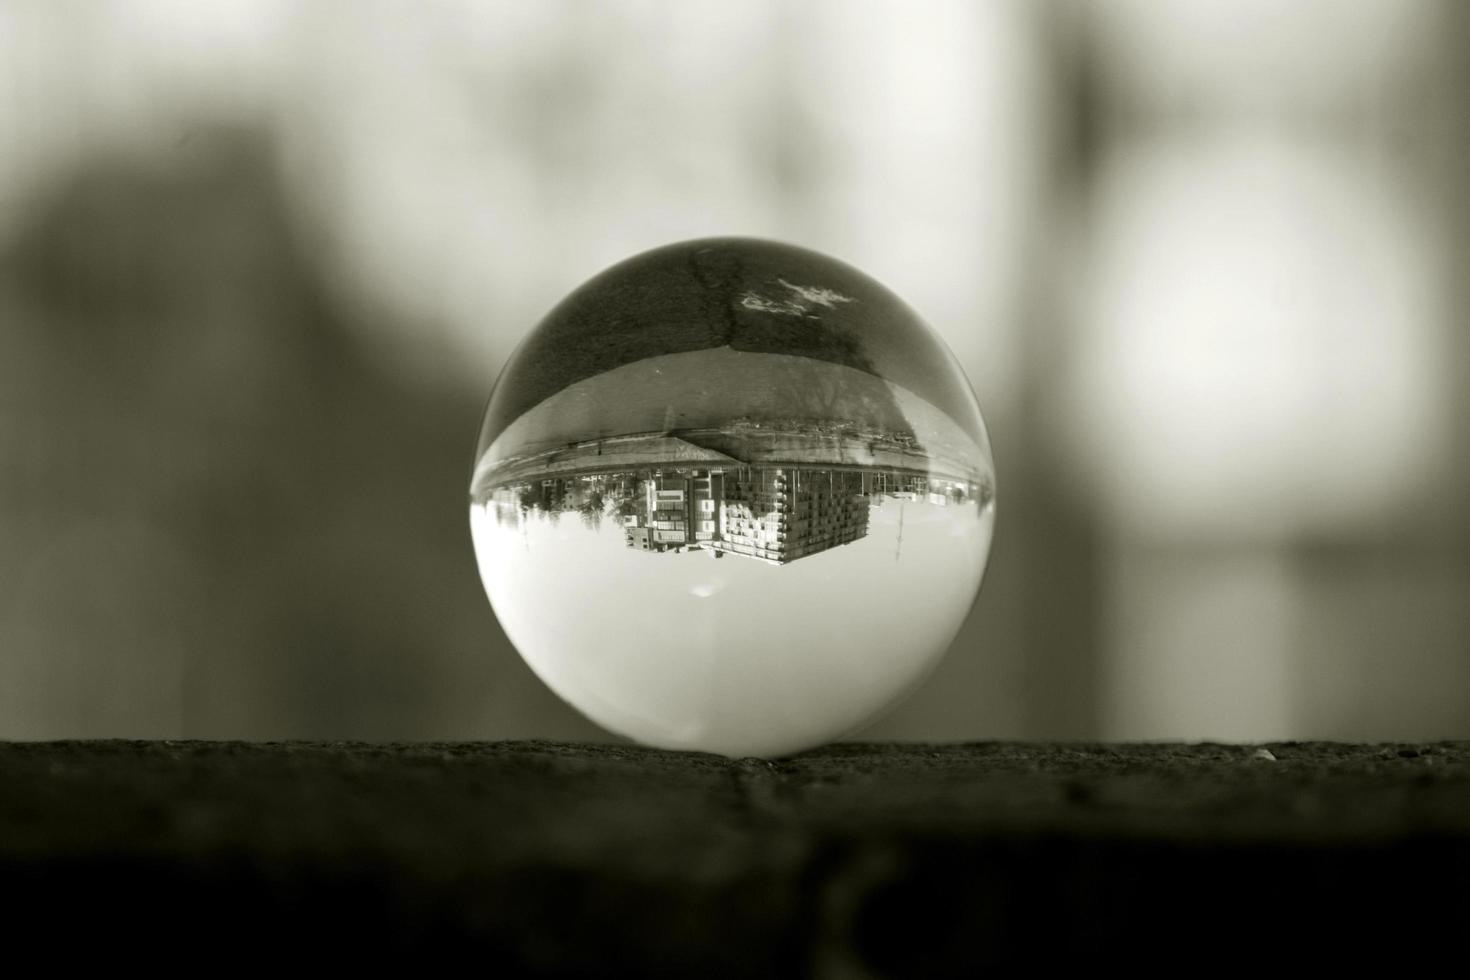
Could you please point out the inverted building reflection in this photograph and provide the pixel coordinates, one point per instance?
(772, 514)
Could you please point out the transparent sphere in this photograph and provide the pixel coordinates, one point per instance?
(733, 496)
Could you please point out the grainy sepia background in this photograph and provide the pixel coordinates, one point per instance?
(261, 261)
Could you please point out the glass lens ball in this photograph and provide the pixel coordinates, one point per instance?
(733, 496)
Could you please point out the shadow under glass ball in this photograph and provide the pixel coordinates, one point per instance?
(733, 496)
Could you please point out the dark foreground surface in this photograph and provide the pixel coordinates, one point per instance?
(854, 860)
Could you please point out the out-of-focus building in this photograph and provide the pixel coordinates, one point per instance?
(1199, 259)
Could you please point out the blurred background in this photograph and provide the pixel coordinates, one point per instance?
(261, 261)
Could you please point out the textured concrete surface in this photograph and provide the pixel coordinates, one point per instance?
(854, 860)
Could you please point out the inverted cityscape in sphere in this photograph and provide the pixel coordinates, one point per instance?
(732, 496)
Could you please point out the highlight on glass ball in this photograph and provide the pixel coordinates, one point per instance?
(732, 496)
